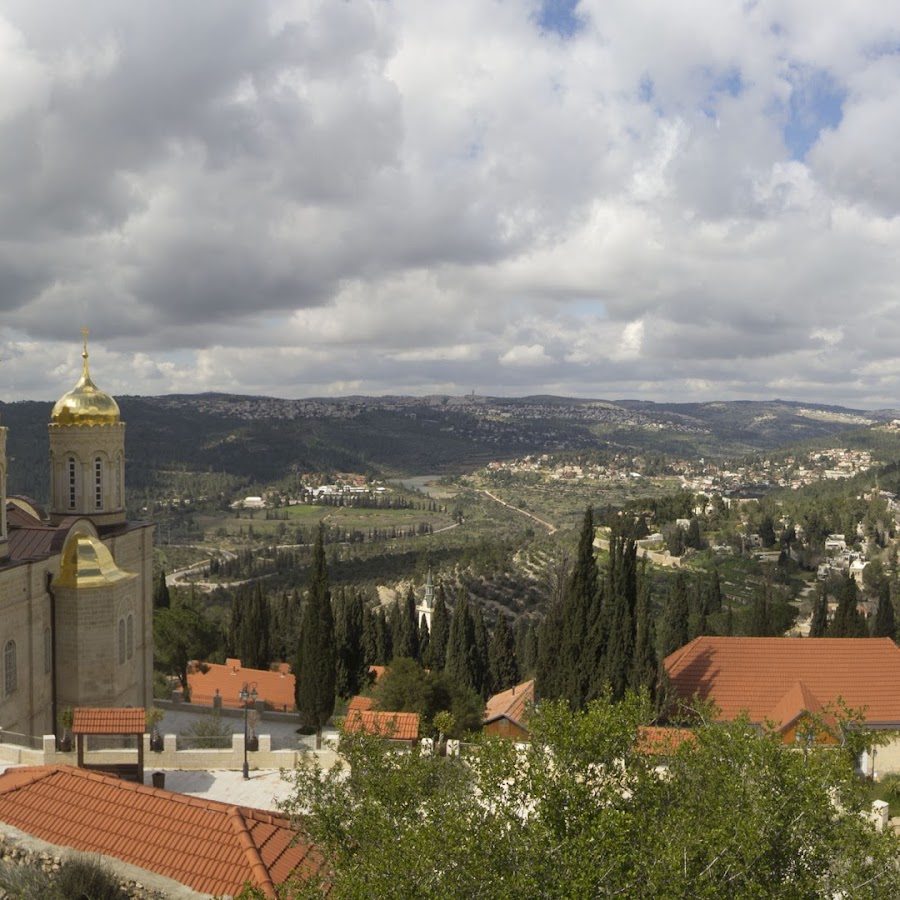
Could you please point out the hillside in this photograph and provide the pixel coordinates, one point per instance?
(262, 439)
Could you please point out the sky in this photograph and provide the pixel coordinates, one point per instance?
(608, 198)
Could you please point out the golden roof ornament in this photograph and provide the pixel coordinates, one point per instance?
(85, 404)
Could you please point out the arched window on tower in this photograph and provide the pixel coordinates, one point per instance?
(98, 483)
(70, 470)
(121, 641)
(129, 640)
(10, 674)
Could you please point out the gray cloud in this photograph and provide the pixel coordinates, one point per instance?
(307, 197)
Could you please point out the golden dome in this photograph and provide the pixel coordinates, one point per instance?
(85, 404)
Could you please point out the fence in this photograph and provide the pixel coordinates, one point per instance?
(21, 740)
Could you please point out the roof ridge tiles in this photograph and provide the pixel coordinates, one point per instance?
(258, 868)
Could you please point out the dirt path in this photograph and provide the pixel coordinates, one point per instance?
(551, 529)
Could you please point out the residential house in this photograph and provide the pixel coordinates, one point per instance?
(781, 682)
(506, 713)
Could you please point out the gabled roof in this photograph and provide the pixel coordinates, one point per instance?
(359, 703)
(511, 704)
(776, 679)
(209, 846)
(90, 720)
(276, 687)
(396, 726)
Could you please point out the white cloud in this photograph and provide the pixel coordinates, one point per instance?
(308, 197)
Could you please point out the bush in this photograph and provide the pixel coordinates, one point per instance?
(208, 732)
(79, 878)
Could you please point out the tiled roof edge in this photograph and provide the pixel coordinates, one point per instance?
(261, 877)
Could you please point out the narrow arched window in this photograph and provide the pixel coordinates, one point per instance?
(10, 675)
(121, 641)
(70, 467)
(129, 641)
(98, 483)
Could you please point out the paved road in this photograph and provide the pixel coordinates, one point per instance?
(523, 512)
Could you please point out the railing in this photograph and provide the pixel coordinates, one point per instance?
(21, 740)
(287, 742)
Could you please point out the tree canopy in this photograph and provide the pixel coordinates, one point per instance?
(581, 813)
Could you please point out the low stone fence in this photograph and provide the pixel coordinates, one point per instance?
(170, 757)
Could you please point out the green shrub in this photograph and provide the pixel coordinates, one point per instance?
(79, 878)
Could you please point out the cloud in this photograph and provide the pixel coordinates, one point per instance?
(688, 201)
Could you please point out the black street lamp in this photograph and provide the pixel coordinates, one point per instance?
(247, 693)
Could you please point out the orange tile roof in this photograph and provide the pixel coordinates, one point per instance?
(91, 720)
(359, 703)
(511, 704)
(396, 726)
(654, 740)
(776, 679)
(209, 846)
(275, 687)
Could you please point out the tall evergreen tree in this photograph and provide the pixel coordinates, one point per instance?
(621, 603)
(462, 652)
(645, 666)
(818, 626)
(440, 630)
(884, 624)
(424, 642)
(350, 661)
(847, 621)
(762, 622)
(502, 654)
(161, 596)
(526, 647)
(675, 625)
(481, 657)
(315, 668)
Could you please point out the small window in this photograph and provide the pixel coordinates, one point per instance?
(71, 469)
(98, 483)
(121, 641)
(10, 675)
(129, 641)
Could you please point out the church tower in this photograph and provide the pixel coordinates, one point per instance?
(426, 607)
(87, 454)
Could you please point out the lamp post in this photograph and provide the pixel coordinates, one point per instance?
(247, 693)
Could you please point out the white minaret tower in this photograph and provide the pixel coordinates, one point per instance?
(426, 607)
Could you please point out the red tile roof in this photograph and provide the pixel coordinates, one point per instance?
(90, 720)
(275, 687)
(776, 679)
(655, 741)
(359, 703)
(396, 726)
(511, 704)
(209, 846)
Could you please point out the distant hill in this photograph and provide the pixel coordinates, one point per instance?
(264, 438)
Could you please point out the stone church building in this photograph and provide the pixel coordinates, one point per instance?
(76, 580)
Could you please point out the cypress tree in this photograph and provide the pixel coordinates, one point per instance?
(424, 642)
(761, 621)
(411, 625)
(502, 654)
(161, 596)
(674, 629)
(847, 622)
(461, 647)
(383, 641)
(256, 630)
(440, 630)
(526, 647)
(585, 629)
(884, 624)
(350, 667)
(818, 626)
(481, 668)
(315, 667)
(621, 603)
(550, 677)
(645, 666)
